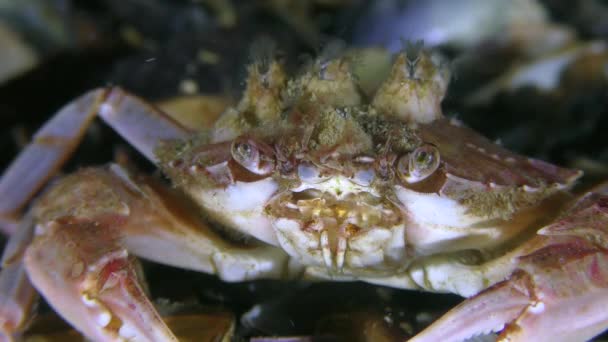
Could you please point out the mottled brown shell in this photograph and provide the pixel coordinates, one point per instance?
(492, 180)
(319, 123)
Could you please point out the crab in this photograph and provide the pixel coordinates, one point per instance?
(307, 178)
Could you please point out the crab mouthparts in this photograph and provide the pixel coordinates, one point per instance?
(331, 222)
(333, 238)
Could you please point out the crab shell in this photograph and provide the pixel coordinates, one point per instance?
(385, 190)
(356, 187)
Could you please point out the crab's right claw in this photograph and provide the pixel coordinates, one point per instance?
(559, 291)
(93, 284)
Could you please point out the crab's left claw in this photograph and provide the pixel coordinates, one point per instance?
(559, 290)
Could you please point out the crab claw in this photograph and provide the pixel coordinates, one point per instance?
(93, 282)
(558, 292)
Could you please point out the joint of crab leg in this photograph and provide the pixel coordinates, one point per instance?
(137, 122)
(142, 125)
(92, 283)
(40, 159)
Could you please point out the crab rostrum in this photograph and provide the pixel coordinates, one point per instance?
(326, 184)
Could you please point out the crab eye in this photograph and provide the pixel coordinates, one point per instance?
(252, 156)
(419, 164)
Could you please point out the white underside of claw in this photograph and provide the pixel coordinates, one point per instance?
(440, 224)
(241, 207)
(434, 209)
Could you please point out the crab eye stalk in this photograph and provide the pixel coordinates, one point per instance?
(418, 165)
(253, 156)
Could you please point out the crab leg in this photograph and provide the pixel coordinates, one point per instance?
(559, 289)
(50, 146)
(142, 125)
(17, 295)
(80, 263)
(139, 123)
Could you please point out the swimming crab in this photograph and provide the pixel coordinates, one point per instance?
(307, 177)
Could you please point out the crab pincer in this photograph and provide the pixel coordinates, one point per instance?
(558, 291)
(97, 291)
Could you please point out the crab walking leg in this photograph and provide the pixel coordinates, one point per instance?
(141, 124)
(89, 221)
(50, 146)
(137, 122)
(558, 292)
(17, 295)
